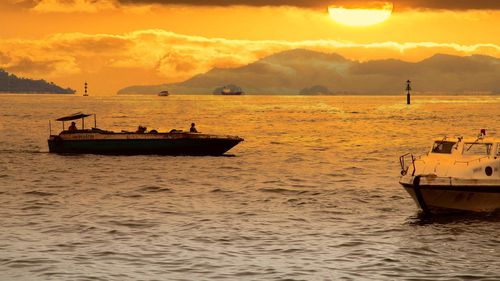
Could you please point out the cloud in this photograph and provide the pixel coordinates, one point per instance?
(28, 65)
(174, 57)
(100, 5)
(413, 4)
(89, 6)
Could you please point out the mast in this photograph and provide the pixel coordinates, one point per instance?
(408, 89)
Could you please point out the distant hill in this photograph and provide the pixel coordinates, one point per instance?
(299, 71)
(10, 83)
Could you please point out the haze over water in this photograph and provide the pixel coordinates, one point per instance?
(311, 194)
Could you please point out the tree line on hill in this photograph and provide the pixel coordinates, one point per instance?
(10, 83)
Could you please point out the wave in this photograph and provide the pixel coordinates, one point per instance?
(39, 193)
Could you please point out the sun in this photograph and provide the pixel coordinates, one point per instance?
(364, 16)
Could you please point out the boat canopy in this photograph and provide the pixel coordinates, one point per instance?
(74, 116)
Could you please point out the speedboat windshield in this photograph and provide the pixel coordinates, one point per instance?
(444, 147)
(477, 149)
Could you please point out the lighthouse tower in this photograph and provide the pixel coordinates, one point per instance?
(85, 94)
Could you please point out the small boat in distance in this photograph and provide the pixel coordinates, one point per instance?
(226, 91)
(163, 94)
(456, 174)
(97, 141)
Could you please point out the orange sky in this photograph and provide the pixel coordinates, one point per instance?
(113, 45)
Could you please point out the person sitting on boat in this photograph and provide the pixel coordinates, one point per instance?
(141, 129)
(193, 128)
(72, 127)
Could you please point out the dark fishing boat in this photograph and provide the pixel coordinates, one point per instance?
(97, 141)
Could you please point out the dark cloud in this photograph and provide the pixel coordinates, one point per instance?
(451, 4)
(28, 65)
(97, 44)
(400, 4)
(24, 3)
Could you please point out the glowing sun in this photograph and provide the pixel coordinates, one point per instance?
(361, 16)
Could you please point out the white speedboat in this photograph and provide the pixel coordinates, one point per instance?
(457, 174)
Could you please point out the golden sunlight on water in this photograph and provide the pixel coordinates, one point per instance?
(312, 193)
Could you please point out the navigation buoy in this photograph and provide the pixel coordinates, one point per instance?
(408, 89)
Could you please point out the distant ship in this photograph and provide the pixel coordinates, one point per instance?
(226, 91)
(163, 94)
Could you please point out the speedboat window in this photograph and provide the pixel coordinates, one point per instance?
(444, 147)
(477, 148)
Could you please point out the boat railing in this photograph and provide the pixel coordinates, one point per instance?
(470, 161)
(404, 167)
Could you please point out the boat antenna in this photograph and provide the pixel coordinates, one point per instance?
(440, 142)
(408, 89)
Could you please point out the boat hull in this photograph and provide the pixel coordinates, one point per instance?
(445, 195)
(134, 144)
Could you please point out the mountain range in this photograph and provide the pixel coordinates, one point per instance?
(301, 71)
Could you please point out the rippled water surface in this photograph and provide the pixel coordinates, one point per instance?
(311, 194)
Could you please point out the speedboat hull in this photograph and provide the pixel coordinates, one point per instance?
(444, 194)
(136, 144)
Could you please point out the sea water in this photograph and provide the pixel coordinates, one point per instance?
(311, 194)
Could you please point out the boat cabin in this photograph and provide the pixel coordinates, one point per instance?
(459, 147)
(457, 157)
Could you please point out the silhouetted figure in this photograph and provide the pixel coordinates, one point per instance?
(141, 129)
(72, 127)
(193, 128)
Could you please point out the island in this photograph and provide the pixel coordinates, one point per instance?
(10, 83)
